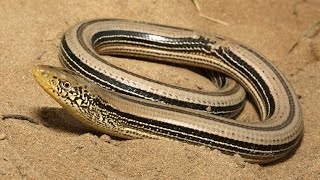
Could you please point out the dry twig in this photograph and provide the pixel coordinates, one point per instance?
(196, 4)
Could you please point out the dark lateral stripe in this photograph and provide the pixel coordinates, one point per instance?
(198, 137)
(291, 101)
(188, 44)
(205, 116)
(253, 76)
(217, 78)
(76, 63)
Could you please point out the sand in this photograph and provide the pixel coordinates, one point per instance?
(53, 145)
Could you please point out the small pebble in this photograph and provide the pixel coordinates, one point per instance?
(105, 138)
(3, 136)
(239, 161)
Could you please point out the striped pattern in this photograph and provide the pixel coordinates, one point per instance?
(192, 100)
(251, 74)
(122, 112)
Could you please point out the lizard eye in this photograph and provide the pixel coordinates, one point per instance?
(66, 85)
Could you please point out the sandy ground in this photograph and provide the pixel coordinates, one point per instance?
(55, 146)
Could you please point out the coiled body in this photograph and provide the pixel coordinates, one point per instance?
(124, 113)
